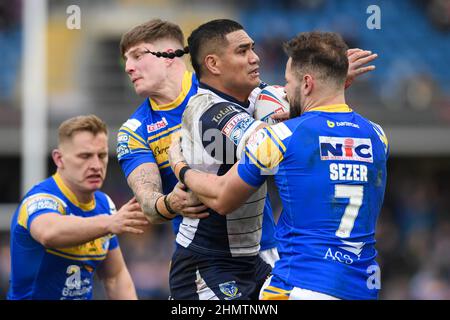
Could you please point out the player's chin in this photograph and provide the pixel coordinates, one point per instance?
(141, 91)
(254, 77)
(253, 82)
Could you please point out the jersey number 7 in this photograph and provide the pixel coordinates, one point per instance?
(355, 194)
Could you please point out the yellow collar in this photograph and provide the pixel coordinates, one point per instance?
(71, 196)
(333, 108)
(185, 87)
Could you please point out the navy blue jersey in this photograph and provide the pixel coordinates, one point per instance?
(38, 272)
(215, 128)
(330, 170)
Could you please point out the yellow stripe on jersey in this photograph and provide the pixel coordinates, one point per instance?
(186, 85)
(333, 108)
(267, 153)
(56, 253)
(277, 139)
(385, 140)
(134, 144)
(150, 138)
(274, 293)
(164, 166)
(380, 132)
(132, 134)
(92, 250)
(71, 196)
(34, 203)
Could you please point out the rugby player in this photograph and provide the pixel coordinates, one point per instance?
(329, 164)
(65, 229)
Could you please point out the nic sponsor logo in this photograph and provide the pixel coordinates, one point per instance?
(342, 148)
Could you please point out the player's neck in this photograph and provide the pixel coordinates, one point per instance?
(170, 89)
(330, 98)
(239, 95)
(81, 197)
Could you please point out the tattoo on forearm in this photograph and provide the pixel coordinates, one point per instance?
(147, 187)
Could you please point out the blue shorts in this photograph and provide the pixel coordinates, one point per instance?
(200, 277)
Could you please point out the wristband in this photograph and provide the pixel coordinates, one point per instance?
(168, 207)
(159, 213)
(182, 173)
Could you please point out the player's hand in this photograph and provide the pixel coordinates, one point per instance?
(186, 203)
(175, 152)
(357, 63)
(129, 218)
(281, 116)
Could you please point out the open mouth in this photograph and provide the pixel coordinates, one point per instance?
(254, 73)
(94, 177)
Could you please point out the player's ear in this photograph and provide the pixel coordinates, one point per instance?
(212, 63)
(169, 61)
(308, 84)
(57, 158)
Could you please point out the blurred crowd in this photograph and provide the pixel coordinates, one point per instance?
(413, 234)
(411, 73)
(10, 45)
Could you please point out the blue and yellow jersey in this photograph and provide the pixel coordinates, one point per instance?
(330, 170)
(146, 136)
(38, 272)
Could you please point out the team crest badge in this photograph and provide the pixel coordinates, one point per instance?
(230, 290)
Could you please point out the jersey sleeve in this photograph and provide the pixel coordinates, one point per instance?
(37, 205)
(380, 132)
(263, 153)
(132, 148)
(225, 129)
(113, 241)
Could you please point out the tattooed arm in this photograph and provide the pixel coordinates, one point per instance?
(145, 181)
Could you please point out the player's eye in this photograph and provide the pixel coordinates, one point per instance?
(140, 54)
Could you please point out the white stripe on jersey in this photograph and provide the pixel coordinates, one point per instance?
(204, 292)
(187, 230)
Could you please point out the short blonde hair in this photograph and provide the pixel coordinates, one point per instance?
(90, 123)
